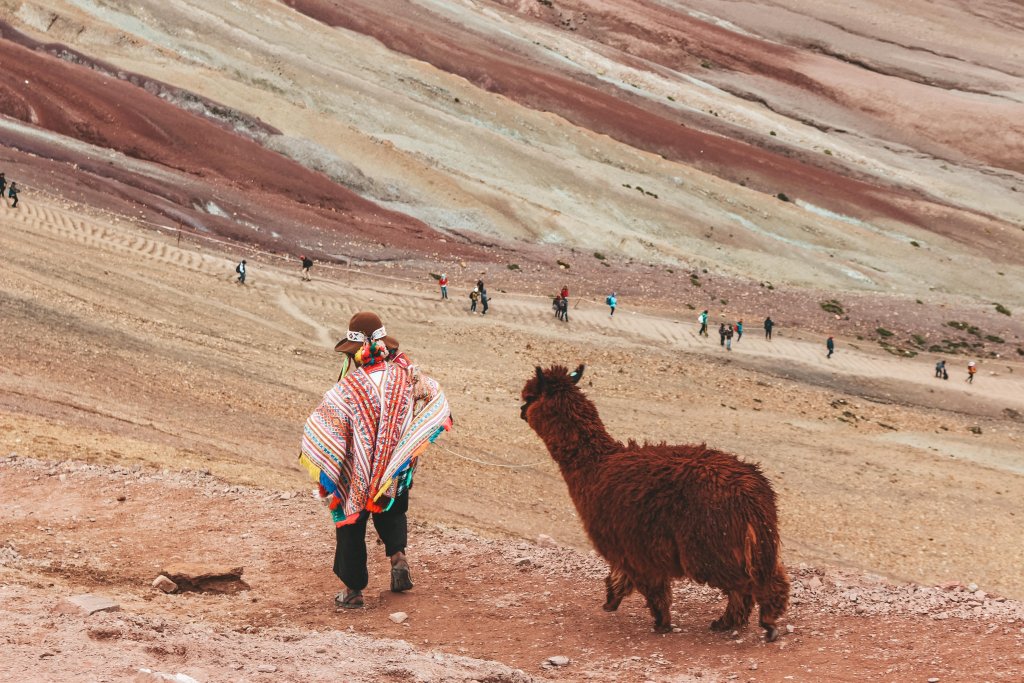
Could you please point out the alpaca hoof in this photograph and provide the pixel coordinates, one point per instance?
(771, 634)
(610, 606)
(663, 628)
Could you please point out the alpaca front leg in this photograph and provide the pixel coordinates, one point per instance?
(736, 614)
(659, 601)
(619, 586)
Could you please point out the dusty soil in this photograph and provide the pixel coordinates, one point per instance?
(184, 393)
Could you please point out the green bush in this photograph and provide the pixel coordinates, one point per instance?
(994, 339)
(513, 266)
(1002, 309)
(882, 332)
(599, 256)
(832, 306)
(783, 197)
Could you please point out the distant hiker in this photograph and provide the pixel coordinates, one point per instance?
(307, 263)
(940, 369)
(739, 331)
(474, 296)
(565, 292)
(612, 302)
(563, 309)
(484, 300)
(3, 184)
(360, 446)
(728, 338)
(971, 369)
(768, 325)
(240, 269)
(703, 320)
(831, 346)
(721, 334)
(480, 286)
(443, 282)
(13, 194)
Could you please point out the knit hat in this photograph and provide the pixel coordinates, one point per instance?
(364, 327)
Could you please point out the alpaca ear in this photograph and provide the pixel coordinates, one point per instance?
(540, 378)
(577, 374)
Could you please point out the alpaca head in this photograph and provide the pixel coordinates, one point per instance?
(546, 383)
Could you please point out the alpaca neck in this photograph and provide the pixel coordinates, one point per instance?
(574, 433)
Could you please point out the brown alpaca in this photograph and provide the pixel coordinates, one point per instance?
(658, 512)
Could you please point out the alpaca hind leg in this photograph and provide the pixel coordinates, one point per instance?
(737, 613)
(659, 601)
(773, 598)
(619, 586)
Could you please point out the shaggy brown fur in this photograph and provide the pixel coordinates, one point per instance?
(658, 512)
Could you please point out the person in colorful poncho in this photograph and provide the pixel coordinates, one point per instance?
(361, 446)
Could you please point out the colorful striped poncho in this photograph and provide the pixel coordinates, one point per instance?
(362, 441)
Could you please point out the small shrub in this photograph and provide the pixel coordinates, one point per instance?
(705, 64)
(599, 256)
(695, 281)
(724, 302)
(650, 194)
(671, 99)
(832, 306)
(935, 348)
(956, 325)
(918, 339)
(513, 266)
(828, 152)
(994, 339)
(783, 196)
(914, 243)
(563, 264)
(627, 186)
(919, 301)
(882, 332)
(971, 329)
(546, 3)
(1020, 351)
(772, 133)
(691, 307)
(1002, 309)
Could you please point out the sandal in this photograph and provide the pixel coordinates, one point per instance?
(347, 599)
(401, 579)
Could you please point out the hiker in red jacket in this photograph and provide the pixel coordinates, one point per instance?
(443, 281)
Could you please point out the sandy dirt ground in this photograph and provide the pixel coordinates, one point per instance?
(136, 367)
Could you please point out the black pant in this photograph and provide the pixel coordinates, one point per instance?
(703, 329)
(350, 551)
(767, 333)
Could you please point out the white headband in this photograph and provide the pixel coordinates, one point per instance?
(359, 337)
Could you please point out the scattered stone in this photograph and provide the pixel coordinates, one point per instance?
(150, 676)
(206, 578)
(814, 583)
(398, 617)
(122, 498)
(559, 660)
(91, 604)
(266, 668)
(790, 628)
(522, 562)
(972, 587)
(546, 541)
(164, 584)
(933, 679)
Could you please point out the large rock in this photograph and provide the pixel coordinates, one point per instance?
(89, 604)
(206, 578)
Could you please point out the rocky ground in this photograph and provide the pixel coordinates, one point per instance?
(150, 416)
